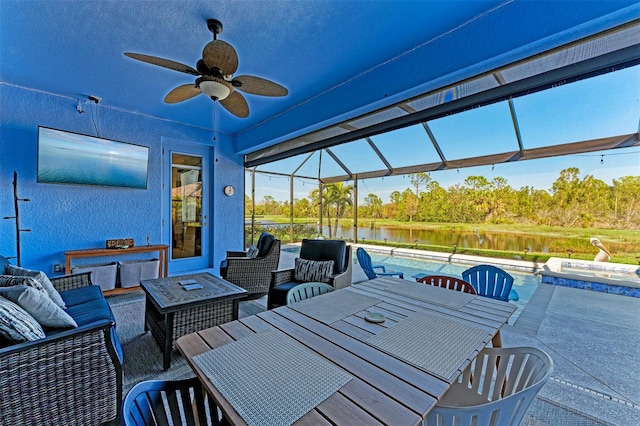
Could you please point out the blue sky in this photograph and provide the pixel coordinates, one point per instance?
(603, 106)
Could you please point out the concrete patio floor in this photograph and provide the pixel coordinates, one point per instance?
(594, 340)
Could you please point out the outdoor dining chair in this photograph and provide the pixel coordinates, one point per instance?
(307, 291)
(370, 269)
(159, 402)
(491, 281)
(496, 389)
(451, 283)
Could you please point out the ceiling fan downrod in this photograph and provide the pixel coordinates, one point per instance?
(215, 27)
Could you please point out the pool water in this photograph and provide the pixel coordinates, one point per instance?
(524, 283)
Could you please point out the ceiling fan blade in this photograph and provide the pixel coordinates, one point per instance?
(259, 86)
(220, 54)
(236, 104)
(182, 93)
(167, 63)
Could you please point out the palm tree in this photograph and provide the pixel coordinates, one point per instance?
(340, 196)
(314, 195)
(335, 199)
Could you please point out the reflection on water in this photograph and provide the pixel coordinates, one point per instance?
(476, 239)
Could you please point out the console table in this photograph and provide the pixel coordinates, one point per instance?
(161, 249)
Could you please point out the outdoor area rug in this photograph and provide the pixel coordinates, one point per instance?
(142, 356)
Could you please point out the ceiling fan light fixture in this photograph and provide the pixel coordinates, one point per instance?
(215, 88)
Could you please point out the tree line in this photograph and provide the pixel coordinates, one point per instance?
(571, 202)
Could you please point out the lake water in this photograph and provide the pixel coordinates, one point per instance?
(477, 239)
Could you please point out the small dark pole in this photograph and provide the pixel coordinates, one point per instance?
(17, 216)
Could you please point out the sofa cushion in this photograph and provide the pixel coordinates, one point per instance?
(80, 295)
(91, 311)
(313, 270)
(335, 250)
(16, 325)
(39, 306)
(42, 278)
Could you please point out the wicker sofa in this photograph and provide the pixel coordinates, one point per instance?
(72, 376)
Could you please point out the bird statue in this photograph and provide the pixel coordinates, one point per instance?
(603, 255)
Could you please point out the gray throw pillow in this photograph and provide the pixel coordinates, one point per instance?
(42, 278)
(14, 280)
(252, 252)
(39, 306)
(16, 325)
(313, 270)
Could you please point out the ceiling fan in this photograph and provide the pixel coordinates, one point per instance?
(215, 76)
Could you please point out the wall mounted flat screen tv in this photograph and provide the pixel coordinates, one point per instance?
(72, 158)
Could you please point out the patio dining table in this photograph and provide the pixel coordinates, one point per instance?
(329, 359)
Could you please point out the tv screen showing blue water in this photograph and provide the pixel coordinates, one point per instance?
(72, 158)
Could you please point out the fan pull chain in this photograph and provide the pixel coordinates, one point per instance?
(215, 122)
(215, 130)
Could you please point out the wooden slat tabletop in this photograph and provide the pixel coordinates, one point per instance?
(385, 389)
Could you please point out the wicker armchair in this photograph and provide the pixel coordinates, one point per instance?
(70, 377)
(253, 273)
(283, 280)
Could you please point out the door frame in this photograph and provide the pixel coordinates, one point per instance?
(203, 261)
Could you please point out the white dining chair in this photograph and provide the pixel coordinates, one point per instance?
(496, 389)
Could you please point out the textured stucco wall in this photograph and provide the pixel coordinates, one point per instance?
(65, 217)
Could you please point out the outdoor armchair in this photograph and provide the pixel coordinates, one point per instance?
(253, 273)
(491, 281)
(496, 389)
(309, 265)
(370, 269)
(450, 283)
(178, 402)
(307, 291)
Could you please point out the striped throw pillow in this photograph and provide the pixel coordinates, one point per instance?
(41, 278)
(16, 325)
(313, 270)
